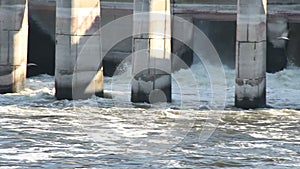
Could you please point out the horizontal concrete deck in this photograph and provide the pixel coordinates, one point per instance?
(219, 10)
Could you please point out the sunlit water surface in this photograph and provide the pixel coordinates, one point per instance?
(38, 131)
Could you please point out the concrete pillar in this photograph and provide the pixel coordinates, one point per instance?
(13, 45)
(250, 86)
(78, 70)
(152, 51)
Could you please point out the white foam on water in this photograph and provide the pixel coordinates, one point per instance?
(192, 86)
(27, 157)
(283, 89)
(36, 112)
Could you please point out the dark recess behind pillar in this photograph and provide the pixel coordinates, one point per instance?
(41, 51)
(116, 56)
(293, 49)
(276, 58)
(222, 35)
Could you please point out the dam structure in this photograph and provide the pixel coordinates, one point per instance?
(254, 37)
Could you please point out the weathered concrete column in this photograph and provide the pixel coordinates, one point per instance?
(78, 72)
(152, 51)
(13, 45)
(250, 88)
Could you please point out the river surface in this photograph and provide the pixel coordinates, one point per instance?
(38, 131)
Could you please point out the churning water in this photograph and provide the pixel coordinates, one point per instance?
(38, 131)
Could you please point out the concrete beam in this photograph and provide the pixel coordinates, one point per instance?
(152, 51)
(250, 88)
(13, 45)
(78, 72)
(219, 10)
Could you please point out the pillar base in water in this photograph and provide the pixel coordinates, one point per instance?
(151, 88)
(66, 93)
(250, 93)
(12, 78)
(247, 103)
(79, 85)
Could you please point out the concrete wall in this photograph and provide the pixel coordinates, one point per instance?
(78, 69)
(13, 45)
(251, 37)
